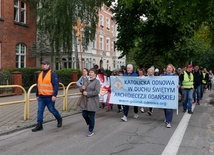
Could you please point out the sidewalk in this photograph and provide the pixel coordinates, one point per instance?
(11, 116)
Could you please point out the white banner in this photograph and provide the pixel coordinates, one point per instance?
(155, 91)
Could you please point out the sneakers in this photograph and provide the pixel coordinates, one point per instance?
(168, 125)
(194, 102)
(135, 116)
(142, 110)
(119, 111)
(90, 134)
(190, 112)
(124, 118)
(184, 110)
(150, 113)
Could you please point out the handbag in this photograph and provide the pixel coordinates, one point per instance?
(79, 100)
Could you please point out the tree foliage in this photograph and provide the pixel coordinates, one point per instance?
(57, 17)
(40, 47)
(161, 31)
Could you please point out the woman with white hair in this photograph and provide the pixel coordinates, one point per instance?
(129, 72)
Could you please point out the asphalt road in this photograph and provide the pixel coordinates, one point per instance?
(146, 135)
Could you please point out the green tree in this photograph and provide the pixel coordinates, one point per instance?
(57, 17)
(161, 31)
(41, 47)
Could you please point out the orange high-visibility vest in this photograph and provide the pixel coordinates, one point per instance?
(45, 86)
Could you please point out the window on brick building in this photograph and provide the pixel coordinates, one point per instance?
(108, 23)
(0, 8)
(20, 56)
(19, 11)
(101, 43)
(101, 21)
(107, 44)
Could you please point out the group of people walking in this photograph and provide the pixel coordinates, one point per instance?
(192, 84)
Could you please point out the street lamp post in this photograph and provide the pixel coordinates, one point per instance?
(78, 29)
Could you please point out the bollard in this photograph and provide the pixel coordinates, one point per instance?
(74, 76)
(17, 80)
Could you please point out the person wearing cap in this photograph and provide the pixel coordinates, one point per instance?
(47, 90)
(187, 86)
(156, 72)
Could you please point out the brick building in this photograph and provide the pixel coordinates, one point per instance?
(102, 50)
(17, 34)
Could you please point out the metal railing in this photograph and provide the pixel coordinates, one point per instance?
(65, 106)
(25, 101)
(34, 99)
(27, 98)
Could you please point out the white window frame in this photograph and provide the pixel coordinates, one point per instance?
(0, 8)
(101, 41)
(94, 43)
(108, 44)
(73, 62)
(93, 62)
(108, 23)
(20, 54)
(23, 10)
(101, 21)
(18, 11)
(86, 63)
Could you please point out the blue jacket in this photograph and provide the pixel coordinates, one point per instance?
(80, 82)
(132, 74)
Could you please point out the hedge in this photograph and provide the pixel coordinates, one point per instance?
(29, 75)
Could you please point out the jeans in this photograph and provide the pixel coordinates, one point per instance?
(126, 110)
(203, 87)
(187, 99)
(150, 109)
(89, 117)
(168, 115)
(46, 101)
(197, 93)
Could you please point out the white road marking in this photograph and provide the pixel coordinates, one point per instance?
(175, 141)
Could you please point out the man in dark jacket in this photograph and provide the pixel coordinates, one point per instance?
(198, 76)
(47, 90)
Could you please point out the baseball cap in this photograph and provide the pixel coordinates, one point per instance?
(156, 70)
(46, 62)
(189, 66)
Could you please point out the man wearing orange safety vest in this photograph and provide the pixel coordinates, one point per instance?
(47, 89)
